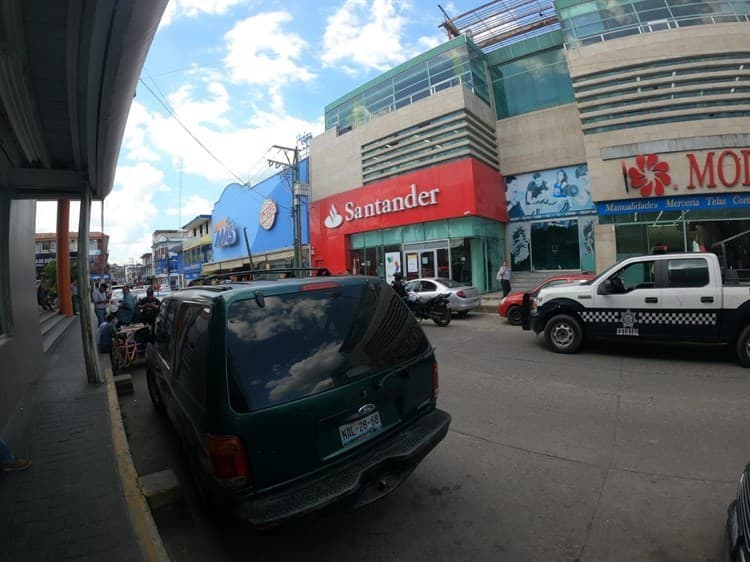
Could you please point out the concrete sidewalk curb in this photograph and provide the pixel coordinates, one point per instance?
(144, 527)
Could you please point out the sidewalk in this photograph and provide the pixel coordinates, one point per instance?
(69, 505)
(490, 301)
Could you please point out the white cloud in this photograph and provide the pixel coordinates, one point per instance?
(241, 146)
(134, 143)
(260, 51)
(195, 8)
(194, 206)
(366, 34)
(129, 211)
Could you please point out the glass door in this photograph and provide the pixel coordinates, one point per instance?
(427, 263)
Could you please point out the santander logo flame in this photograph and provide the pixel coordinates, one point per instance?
(334, 219)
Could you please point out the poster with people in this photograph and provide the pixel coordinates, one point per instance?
(392, 265)
(549, 193)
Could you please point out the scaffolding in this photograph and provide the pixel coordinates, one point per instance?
(502, 22)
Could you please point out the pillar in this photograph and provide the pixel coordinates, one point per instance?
(64, 300)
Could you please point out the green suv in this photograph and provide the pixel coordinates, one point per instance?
(295, 393)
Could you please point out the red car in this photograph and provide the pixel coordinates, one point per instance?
(510, 306)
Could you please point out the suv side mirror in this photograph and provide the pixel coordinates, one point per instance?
(605, 287)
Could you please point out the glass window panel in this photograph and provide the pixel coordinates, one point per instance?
(436, 229)
(357, 241)
(533, 83)
(373, 238)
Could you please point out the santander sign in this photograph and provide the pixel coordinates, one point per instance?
(352, 211)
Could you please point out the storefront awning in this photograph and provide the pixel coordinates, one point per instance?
(223, 266)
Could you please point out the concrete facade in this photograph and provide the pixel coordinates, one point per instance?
(335, 160)
(533, 140)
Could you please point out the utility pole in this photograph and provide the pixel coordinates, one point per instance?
(290, 164)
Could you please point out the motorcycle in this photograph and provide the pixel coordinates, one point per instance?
(431, 308)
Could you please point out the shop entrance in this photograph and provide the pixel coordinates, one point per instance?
(554, 245)
(424, 261)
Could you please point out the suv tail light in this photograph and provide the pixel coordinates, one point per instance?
(228, 459)
(461, 294)
(435, 381)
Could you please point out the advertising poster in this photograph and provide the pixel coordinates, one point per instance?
(520, 246)
(392, 265)
(549, 193)
(412, 266)
(586, 241)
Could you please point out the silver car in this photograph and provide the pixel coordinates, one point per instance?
(463, 298)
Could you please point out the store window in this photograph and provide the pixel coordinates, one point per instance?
(467, 250)
(554, 245)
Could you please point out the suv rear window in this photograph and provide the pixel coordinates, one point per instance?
(303, 343)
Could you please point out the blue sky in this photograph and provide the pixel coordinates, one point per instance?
(242, 75)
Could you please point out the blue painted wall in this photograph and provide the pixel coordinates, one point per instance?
(239, 207)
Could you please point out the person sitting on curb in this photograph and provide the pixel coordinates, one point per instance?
(8, 462)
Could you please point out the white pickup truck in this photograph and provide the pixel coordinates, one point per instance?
(678, 297)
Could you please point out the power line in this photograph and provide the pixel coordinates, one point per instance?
(196, 139)
(260, 163)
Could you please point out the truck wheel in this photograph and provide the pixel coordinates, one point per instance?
(514, 315)
(563, 334)
(743, 347)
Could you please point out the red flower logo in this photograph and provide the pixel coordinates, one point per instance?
(649, 175)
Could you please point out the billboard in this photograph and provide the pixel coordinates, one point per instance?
(263, 212)
(555, 193)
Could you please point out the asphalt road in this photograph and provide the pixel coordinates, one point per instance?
(626, 452)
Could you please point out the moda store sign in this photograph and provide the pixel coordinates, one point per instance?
(353, 211)
(659, 175)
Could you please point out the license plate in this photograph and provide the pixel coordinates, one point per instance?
(352, 431)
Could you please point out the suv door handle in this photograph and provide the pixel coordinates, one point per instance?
(707, 299)
(652, 299)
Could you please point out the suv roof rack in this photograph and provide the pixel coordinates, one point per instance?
(289, 271)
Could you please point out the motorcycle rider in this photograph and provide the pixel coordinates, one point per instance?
(398, 285)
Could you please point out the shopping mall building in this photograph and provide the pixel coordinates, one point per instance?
(562, 138)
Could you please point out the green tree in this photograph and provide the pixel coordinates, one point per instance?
(50, 272)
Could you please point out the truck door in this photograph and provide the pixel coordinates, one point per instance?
(691, 301)
(624, 302)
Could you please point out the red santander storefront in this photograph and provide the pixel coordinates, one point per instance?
(443, 221)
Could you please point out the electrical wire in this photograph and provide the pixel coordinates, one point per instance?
(245, 183)
(189, 132)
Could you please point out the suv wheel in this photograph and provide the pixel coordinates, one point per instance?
(563, 333)
(153, 392)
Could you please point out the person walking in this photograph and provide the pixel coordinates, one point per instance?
(74, 295)
(504, 277)
(99, 296)
(8, 462)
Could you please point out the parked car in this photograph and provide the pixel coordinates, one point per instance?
(139, 293)
(510, 306)
(463, 298)
(292, 394)
(114, 298)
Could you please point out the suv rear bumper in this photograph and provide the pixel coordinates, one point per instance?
(365, 478)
